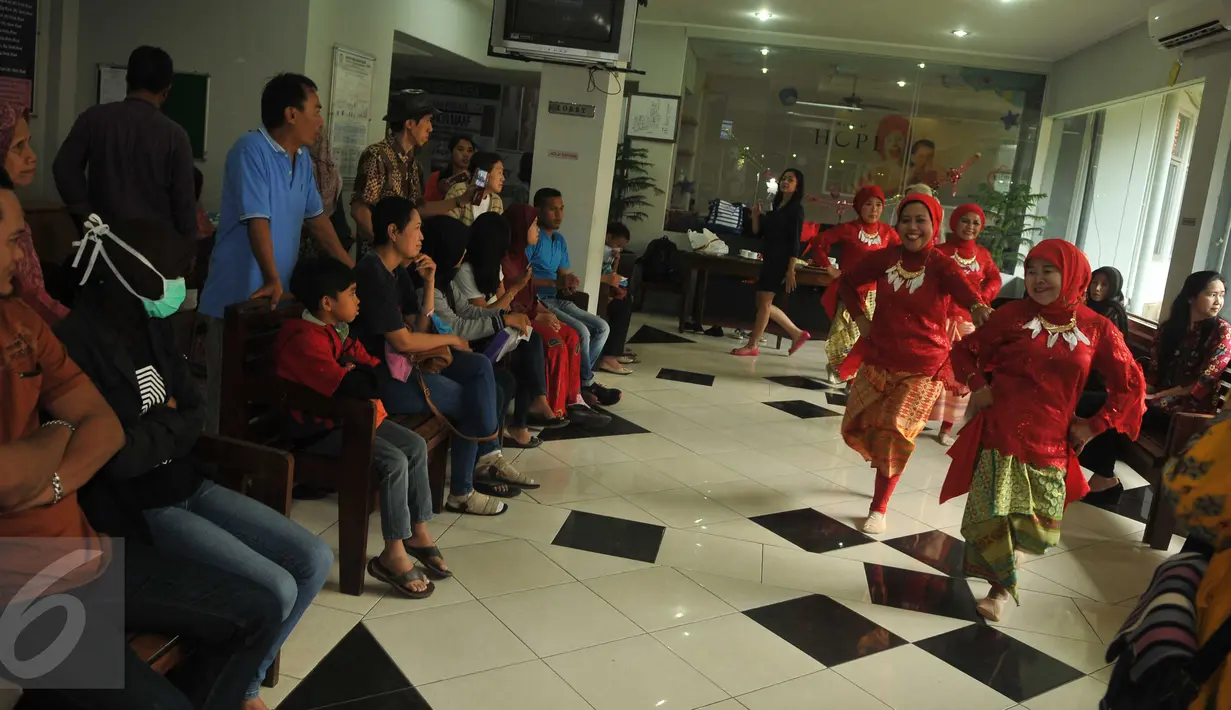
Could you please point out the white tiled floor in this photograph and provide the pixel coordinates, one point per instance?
(526, 624)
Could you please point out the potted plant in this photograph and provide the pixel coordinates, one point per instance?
(630, 184)
(1011, 222)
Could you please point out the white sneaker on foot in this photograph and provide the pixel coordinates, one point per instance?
(991, 607)
(875, 524)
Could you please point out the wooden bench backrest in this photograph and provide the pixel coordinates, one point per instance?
(251, 391)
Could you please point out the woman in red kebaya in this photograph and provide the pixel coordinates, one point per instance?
(855, 240)
(903, 357)
(1018, 456)
(965, 225)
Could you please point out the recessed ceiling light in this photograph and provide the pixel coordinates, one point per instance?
(960, 33)
(764, 51)
(842, 161)
(922, 65)
(764, 70)
(902, 84)
(794, 155)
(763, 15)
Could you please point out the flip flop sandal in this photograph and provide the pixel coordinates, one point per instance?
(478, 504)
(425, 555)
(621, 370)
(491, 487)
(511, 443)
(399, 581)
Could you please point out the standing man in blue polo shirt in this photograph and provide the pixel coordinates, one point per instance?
(555, 281)
(268, 194)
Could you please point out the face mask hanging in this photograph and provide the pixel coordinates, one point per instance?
(174, 291)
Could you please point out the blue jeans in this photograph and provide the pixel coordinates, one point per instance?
(233, 532)
(593, 332)
(465, 392)
(399, 457)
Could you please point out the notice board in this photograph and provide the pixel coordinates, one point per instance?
(18, 36)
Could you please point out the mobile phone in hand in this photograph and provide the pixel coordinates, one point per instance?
(480, 183)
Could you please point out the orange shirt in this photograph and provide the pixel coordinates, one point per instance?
(35, 371)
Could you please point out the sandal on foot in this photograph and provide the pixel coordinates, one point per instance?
(628, 360)
(804, 337)
(746, 352)
(476, 504)
(513, 443)
(399, 581)
(490, 486)
(503, 471)
(428, 557)
(616, 370)
(991, 607)
(539, 421)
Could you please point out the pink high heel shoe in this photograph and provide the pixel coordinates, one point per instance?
(804, 337)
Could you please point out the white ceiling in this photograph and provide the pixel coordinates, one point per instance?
(1034, 30)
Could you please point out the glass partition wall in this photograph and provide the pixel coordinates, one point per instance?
(851, 120)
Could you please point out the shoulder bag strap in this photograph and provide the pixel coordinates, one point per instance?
(427, 396)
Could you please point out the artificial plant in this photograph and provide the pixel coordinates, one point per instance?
(1011, 222)
(630, 184)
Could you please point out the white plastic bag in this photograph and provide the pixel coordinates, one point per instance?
(706, 242)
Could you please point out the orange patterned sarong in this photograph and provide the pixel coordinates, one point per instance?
(885, 412)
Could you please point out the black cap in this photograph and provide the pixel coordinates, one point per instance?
(409, 105)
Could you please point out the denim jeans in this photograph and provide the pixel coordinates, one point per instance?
(230, 621)
(592, 329)
(231, 531)
(465, 392)
(399, 457)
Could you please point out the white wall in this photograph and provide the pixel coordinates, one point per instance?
(241, 44)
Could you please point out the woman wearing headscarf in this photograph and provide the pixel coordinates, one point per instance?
(856, 239)
(1106, 296)
(20, 162)
(562, 343)
(1039, 350)
(902, 358)
(780, 231)
(977, 265)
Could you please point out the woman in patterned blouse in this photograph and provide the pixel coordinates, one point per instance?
(1190, 352)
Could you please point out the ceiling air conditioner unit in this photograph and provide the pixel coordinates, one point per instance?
(1185, 24)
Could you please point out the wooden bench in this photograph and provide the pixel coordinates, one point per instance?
(1150, 453)
(255, 403)
(260, 472)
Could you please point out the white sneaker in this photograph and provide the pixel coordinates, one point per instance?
(991, 607)
(875, 524)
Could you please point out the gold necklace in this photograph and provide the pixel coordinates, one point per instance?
(908, 275)
(965, 263)
(1053, 328)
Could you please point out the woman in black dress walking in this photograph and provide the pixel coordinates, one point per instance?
(780, 229)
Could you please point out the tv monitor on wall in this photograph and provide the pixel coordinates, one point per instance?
(598, 32)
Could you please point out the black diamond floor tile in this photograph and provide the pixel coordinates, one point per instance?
(619, 426)
(935, 549)
(799, 382)
(692, 378)
(400, 700)
(812, 530)
(610, 536)
(917, 591)
(1134, 503)
(836, 398)
(824, 629)
(356, 670)
(802, 409)
(999, 661)
(651, 335)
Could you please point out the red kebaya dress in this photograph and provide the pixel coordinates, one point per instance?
(1015, 458)
(976, 264)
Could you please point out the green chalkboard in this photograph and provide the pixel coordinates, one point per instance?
(188, 105)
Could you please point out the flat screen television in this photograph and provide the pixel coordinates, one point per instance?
(576, 31)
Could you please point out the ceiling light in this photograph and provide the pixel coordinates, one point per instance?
(794, 155)
(850, 126)
(922, 65)
(764, 70)
(763, 15)
(960, 33)
(764, 51)
(902, 84)
(842, 161)
(839, 107)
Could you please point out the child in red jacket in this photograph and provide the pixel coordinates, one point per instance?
(318, 352)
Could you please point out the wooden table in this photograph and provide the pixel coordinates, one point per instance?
(700, 266)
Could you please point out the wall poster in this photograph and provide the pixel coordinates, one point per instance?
(350, 109)
(18, 36)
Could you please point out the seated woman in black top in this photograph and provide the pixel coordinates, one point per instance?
(119, 336)
(1106, 296)
(780, 230)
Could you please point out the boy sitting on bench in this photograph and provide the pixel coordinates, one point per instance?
(318, 352)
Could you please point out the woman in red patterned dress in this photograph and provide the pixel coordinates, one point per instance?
(903, 356)
(1018, 456)
(965, 225)
(855, 239)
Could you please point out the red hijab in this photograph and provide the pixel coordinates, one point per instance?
(865, 194)
(1075, 277)
(965, 247)
(934, 208)
(515, 263)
